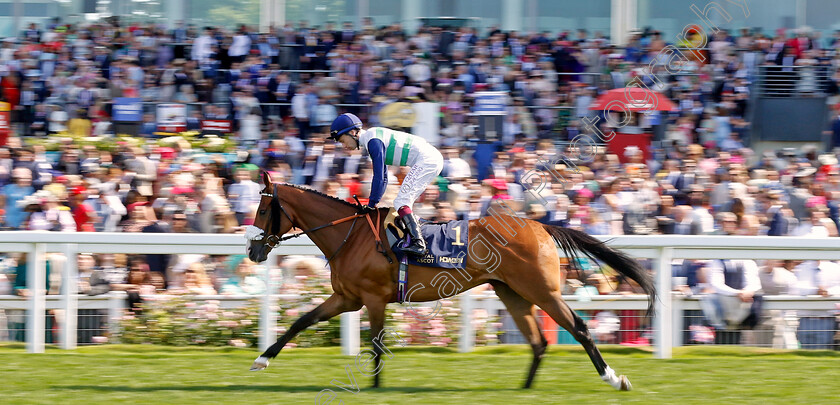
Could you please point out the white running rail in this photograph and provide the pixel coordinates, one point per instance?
(660, 248)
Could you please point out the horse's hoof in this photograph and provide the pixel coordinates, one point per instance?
(625, 383)
(259, 364)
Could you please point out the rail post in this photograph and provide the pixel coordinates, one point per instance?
(69, 298)
(116, 304)
(350, 334)
(36, 280)
(662, 321)
(268, 310)
(677, 318)
(467, 340)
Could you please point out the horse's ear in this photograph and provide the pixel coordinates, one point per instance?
(266, 179)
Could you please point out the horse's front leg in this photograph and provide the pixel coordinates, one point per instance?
(334, 305)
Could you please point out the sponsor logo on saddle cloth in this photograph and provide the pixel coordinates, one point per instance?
(446, 242)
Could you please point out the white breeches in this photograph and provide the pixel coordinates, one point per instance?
(421, 174)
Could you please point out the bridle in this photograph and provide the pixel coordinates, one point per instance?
(272, 240)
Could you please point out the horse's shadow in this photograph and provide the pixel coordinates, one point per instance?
(262, 388)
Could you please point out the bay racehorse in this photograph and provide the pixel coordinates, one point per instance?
(527, 274)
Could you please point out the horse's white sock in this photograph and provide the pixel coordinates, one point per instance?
(610, 377)
(260, 363)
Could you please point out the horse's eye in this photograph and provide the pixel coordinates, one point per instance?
(262, 212)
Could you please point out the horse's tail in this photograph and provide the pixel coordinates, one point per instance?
(571, 240)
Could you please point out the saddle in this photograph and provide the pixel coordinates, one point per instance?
(446, 243)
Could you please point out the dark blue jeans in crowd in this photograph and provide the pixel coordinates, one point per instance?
(816, 332)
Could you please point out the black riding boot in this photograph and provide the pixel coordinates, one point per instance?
(417, 246)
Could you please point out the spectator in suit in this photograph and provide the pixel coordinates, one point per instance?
(737, 297)
(149, 126)
(301, 111)
(160, 263)
(682, 222)
(684, 181)
(347, 35)
(194, 121)
(781, 221)
(284, 90)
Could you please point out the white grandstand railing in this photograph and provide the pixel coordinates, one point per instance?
(661, 248)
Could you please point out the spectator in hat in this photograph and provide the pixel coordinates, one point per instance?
(798, 192)
(83, 214)
(50, 215)
(498, 191)
(581, 200)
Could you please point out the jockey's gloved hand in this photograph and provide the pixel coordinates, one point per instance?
(364, 209)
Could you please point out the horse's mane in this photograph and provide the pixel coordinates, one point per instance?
(316, 192)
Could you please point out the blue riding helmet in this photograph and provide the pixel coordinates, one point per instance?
(344, 123)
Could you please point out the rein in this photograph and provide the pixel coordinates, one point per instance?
(273, 240)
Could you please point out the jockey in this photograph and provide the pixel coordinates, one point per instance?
(394, 148)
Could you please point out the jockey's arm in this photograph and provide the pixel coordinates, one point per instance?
(376, 148)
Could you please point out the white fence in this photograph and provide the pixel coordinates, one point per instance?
(661, 249)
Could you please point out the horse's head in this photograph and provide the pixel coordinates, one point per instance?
(269, 224)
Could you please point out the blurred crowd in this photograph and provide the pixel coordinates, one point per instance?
(281, 89)
(292, 78)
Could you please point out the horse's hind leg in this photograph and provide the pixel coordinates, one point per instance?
(558, 310)
(376, 315)
(334, 305)
(524, 314)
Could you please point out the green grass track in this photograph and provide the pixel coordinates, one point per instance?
(117, 374)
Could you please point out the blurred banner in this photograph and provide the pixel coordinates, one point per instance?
(127, 109)
(421, 119)
(218, 127)
(490, 103)
(398, 115)
(5, 120)
(491, 107)
(172, 117)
